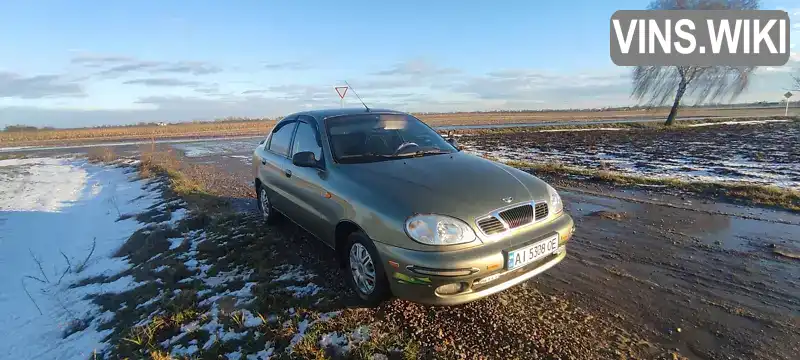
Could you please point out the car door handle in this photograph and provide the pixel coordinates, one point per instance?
(263, 161)
(288, 173)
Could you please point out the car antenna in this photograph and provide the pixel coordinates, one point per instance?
(359, 97)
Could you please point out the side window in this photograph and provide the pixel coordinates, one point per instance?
(306, 140)
(281, 137)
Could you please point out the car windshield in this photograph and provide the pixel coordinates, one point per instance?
(381, 137)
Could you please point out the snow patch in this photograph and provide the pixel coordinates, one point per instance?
(42, 184)
(342, 343)
(309, 289)
(250, 320)
(293, 273)
(263, 354)
(303, 325)
(743, 122)
(584, 129)
(53, 209)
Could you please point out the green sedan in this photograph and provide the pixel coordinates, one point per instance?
(406, 212)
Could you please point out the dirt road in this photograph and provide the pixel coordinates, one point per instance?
(656, 272)
(702, 278)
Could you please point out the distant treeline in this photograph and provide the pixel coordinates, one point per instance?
(19, 128)
(233, 119)
(622, 108)
(230, 119)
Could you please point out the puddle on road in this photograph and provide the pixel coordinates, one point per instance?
(218, 147)
(713, 229)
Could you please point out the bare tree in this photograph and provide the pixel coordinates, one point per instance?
(657, 84)
(796, 78)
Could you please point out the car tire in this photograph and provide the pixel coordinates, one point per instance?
(268, 213)
(358, 246)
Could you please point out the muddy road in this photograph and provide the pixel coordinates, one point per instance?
(710, 280)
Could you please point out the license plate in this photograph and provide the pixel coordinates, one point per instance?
(523, 256)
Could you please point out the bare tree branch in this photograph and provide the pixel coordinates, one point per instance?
(30, 297)
(69, 265)
(39, 264)
(82, 265)
(656, 85)
(35, 278)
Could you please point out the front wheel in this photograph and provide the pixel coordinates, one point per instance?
(365, 271)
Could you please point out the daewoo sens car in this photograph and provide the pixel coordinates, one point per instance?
(406, 212)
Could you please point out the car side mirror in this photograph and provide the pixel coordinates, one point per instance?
(452, 141)
(304, 159)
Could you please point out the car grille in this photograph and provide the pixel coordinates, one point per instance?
(541, 211)
(518, 216)
(491, 226)
(514, 217)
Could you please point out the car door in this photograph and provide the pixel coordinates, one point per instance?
(310, 207)
(274, 170)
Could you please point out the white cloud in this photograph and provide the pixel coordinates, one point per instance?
(417, 68)
(163, 82)
(184, 90)
(288, 65)
(115, 65)
(37, 87)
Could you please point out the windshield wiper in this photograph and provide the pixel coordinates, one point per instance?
(421, 153)
(370, 157)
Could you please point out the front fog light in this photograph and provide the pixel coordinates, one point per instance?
(449, 289)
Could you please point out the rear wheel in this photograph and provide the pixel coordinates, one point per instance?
(365, 271)
(265, 206)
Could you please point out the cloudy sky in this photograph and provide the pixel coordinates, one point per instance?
(82, 63)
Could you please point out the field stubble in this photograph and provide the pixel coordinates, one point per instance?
(262, 126)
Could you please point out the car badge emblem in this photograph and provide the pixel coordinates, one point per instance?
(508, 200)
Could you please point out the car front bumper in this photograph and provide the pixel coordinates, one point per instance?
(480, 271)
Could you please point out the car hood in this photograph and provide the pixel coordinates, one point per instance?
(459, 185)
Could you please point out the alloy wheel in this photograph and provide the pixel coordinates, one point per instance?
(362, 268)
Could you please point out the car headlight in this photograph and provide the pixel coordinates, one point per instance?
(433, 229)
(555, 200)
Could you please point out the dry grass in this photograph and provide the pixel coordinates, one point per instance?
(199, 185)
(123, 133)
(167, 163)
(768, 195)
(160, 355)
(104, 154)
(147, 336)
(261, 127)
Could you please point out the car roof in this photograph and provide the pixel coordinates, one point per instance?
(321, 114)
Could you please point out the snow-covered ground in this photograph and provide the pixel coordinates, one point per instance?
(60, 223)
(741, 122)
(586, 129)
(55, 213)
(736, 169)
(765, 156)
